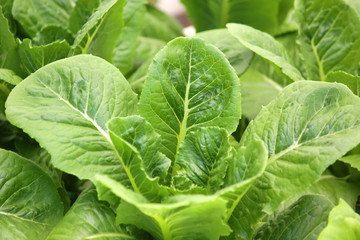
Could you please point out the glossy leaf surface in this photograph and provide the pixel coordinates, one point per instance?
(190, 84)
(67, 112)
(305, 129)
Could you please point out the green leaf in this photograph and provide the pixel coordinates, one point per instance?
(353, 160)
(53, 33)
(267, 47)
(88, 218)
(190, 84)
(238, 55)
(81, 13)
(245, 166)
(329, 37)
(195, 217)
(303, 220)
(305, 129)
(335, 188)
(35, 57)
(67, 112)
(343, 223)
(137, 79)
(8, 56)
(30, 204)
(136, 144)
(210, 14)
(134, 18)
(99, 34)
(351, 81)
(257, 90)
(160, 26)
(33, 15)
(146, 49)
(8, 79)
(202, 157)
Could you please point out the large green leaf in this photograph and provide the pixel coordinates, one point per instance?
(238, 55)
(257, 90)
(305, 129)
(159, 25)
(134, 18)
(65, 106)
(99, 34)
(136, 144)
(260, 14)
(30, 204)
(329, 37)
(33, 15)
(343, 224)
(351, 81)
(202, 159)
(303, 220)
(195, 217)
(88, 218)
(35, 57)
(8, 55)
(265, 46)
(190, 84)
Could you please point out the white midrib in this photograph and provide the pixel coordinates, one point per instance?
(183, 129)
(94, 123)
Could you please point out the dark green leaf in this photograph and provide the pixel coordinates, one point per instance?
(303, 220)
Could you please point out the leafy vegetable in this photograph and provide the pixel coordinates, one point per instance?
(302, 220)
(343, 223)
(192, 88)
(226, 137)
(329, 37)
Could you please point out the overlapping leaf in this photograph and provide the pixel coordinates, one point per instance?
(65, 106)
(305, 129)
(30, 204)
(329, 37)
(303, 220)
(190, 84)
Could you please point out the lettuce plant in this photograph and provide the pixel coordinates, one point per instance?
(177, 160)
